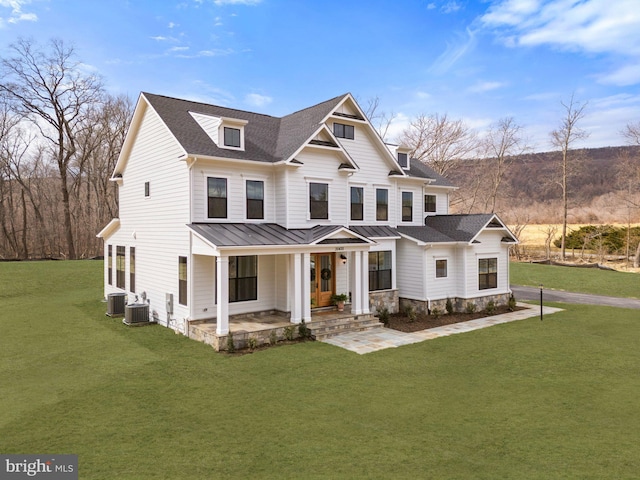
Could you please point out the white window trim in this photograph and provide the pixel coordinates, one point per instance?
(311, 180)
(253, 178)
(413, 210)
(231, 123)
(435, 268)
(375, 203)
(363, 186)
(206, 197)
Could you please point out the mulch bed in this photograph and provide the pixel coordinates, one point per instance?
(399, 321)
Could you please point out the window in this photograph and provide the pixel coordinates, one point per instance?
(441, 268)
(132, 269)
(319, 200)
(357, 201)
(182, 280)
(231, 137)
(380, 270)
(120, 252)
(255, 199)
(403, 160)
(429, 203)
(243, 278)
(110, 265)
(146, 189)
(487, 273)
(382, 204)
(217, 197)
(343, 131)
(407, 206)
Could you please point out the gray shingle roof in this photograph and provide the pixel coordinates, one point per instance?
(448, 228)
(419, 169)
(267, 139)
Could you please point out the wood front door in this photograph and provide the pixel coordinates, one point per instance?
(323, 281)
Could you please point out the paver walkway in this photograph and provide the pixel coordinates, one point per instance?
(381, 338)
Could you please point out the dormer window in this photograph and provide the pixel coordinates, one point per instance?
(231, 137)
(403, 160)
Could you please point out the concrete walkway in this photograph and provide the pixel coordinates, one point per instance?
(381, 338)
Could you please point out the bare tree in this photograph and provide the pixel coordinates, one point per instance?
(629, 178)
(439, 141)
(503, 144)
(563, 138)
(380, 120)
(51, 88)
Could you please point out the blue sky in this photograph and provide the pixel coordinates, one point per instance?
(475, 60)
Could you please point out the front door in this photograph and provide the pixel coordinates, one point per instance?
(322, 279)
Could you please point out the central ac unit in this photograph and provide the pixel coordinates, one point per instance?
(136, 313)
(115, 304)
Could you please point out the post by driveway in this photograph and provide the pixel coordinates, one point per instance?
(533, 293)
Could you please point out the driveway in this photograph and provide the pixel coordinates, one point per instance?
(533, 293)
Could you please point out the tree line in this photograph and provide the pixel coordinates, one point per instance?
(61, 134)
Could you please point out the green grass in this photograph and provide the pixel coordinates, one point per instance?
(583, 280)
(530, 399)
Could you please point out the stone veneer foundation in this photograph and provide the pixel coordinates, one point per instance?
(459, 304)
(384, 298)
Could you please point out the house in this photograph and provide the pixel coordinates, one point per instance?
(224, 212)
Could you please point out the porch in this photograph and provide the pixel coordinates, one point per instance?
(324, 323)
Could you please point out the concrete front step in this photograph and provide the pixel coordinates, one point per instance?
(324, 329)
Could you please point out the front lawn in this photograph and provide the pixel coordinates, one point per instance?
(528, 399)
(573, 279)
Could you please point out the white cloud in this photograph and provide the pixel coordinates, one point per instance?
(482, 87)
(400, 122)
(455, 51)
(172, 25)
(624, 76)
(217, 21)
(594, 26)
(450, 7)
(17, 15)
(178, 49)
(423, 95)
(257, 100)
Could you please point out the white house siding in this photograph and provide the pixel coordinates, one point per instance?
(418, 203)
(410, 263)
(442, 200)
(204, 268)
(283, 284)
(373, 173)
(279, 193)
(320, 166)
(236, 174)
(154, 225)
(490, 246)
(443, 287)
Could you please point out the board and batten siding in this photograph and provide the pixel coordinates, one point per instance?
(155, 225)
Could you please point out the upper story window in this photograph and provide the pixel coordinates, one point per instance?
(407, 206)
(341, 130)
(403, 160)
(319, 200)
(231, 137)
(382, 204)
(429, 203)
(357, 203)
(255, 199)
(216, 197)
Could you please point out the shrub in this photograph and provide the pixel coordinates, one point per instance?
(252, 343)
(449, 306)
(410, 312)
(273, 338)
(383, 315)
(491, 307)
(303, 330)
(470, 307)
(512, 303)
(231, 346)
(436, 312)
(288, 332)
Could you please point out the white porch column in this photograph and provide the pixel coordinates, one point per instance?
(357, 283)
(306, 287)
(222, 293)
(364, 277)
(296, 310)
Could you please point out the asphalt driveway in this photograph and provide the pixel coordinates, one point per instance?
(533, 293)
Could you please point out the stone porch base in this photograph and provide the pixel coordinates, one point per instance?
(459, 304)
